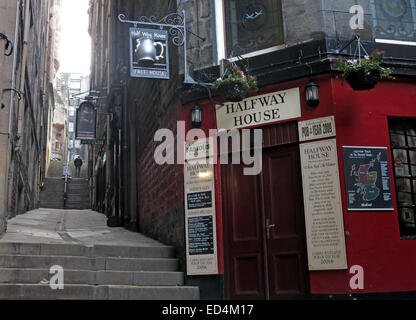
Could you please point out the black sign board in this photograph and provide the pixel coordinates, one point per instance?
(86, 121)
(200, 235)
(199, 200)
(149, 56)
(367, 178)
(94, 142)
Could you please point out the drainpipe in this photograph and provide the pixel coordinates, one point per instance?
(133, 225)
(125, 158)
(23, 70)
(16, 29)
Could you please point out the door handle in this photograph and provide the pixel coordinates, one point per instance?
(268, 227)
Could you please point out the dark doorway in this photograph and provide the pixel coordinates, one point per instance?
(264, 228)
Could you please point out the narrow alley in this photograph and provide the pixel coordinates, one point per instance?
(98, 262)
(243, 150)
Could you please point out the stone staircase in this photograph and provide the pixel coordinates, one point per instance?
(52, 194)
(98, 272)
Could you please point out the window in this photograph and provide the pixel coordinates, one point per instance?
(70, 144)
(403, 148)
(71, 127)
(71, 111)
(394, 20)
(77, 144)
(250, 26)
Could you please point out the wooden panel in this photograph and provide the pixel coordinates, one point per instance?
(243, 237)
(283, 205)
(245, 285)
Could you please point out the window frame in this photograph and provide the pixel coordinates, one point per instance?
(393, 41)
(221, 36)
(410, 176)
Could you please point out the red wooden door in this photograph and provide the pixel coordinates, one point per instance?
(264, 228)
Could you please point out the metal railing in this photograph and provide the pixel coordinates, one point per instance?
(67, 177)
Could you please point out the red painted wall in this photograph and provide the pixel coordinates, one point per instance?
(374, 242)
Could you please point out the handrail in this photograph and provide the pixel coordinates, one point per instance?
(67, 177)
(65, 188)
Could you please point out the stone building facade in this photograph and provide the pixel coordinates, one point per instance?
(286, 44)
(27, 97)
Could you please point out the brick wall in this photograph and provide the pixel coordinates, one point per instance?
(160, 186)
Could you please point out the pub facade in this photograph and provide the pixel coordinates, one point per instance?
(330, 214)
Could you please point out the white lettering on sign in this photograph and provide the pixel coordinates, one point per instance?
(267, 108)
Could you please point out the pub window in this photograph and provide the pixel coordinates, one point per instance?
(394, 20)
(403, 148)
(251, 26)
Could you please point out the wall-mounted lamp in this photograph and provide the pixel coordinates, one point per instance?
(196, 116)
(312, 94)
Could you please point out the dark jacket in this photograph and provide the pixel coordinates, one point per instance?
(78, 162)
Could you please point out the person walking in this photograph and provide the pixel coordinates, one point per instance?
(78, 164)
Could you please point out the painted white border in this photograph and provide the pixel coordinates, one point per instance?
(401, 42)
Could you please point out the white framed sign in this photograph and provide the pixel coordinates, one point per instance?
(318, 128)
(323, 207)
(257, 110)
(200, 215)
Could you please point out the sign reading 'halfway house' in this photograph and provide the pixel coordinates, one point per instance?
(253, 111)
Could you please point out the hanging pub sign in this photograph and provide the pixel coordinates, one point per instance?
(86, 121)
(149, 56)
(367, 178)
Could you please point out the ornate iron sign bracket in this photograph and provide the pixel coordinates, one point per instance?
(175, 24)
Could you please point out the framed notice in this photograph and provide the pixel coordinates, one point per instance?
(200, 216)
(315, 129)
(323, 207)
(367, 178)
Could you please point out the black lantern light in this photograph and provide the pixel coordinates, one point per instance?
(312, 94)
(196, 116)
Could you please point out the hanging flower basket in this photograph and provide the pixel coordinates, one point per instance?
(364, 74)
(234, 91)
(234, 86)
(363, 80)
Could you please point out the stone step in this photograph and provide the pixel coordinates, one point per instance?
(45, 249)
(85, 263)
(88, 292)
(52, 205)
(77, 197)
(130, 278)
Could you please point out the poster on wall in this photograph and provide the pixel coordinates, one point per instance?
(367, 178)
(323, 206)
(200, 216)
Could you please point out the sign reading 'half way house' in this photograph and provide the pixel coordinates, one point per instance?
(253, 111)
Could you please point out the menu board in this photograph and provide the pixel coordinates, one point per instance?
(200, 235)
(367, 178)
(199, 200)
(323, 207)
(200, 218)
